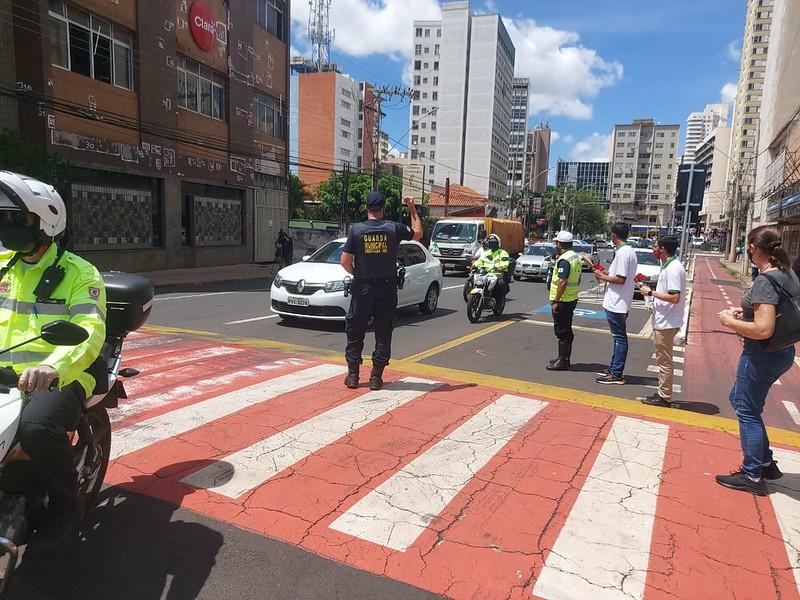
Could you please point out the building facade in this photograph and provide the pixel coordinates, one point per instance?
(642, 172)
(584, 175)
(460, 117)
(519, 134)
(749, 93)
(778, 173)
(711, 153)
(699, 125)
(173, 117)
(537, 158)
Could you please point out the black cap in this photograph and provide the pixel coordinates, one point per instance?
(375, 200)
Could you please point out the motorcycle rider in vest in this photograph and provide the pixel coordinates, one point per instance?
(41, 283)
(564, 280)
(495, 261)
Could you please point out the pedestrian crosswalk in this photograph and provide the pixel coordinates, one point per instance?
(458, 489)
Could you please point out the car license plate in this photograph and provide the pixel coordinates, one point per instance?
(296, 301)
(449, 265)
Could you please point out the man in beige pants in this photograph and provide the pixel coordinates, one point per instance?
(669, 300)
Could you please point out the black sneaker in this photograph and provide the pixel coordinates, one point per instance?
(738, 480)
(609, 379)
(656, 400)
(604, 372)
(771, 472)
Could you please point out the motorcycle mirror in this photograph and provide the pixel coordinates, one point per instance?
(63, 333)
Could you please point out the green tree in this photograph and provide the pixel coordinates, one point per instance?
(23, 155)
(583, 209)
(297, 196)
(331, 192)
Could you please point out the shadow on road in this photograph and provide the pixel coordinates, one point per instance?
(789, 485)
(703, 408)
(130, 547)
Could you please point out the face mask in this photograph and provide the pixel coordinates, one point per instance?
(657, 253)
(17, 237)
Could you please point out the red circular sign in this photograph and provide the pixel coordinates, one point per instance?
(202, 24)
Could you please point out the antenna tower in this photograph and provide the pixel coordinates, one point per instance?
(320, 34)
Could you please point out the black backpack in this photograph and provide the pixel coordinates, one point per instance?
(787, 319)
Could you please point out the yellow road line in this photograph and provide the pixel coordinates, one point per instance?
(633, 407)
(457, 342)
(589, 329)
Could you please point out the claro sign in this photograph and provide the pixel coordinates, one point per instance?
(202, 24)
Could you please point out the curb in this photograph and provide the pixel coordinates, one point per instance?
(167, 287)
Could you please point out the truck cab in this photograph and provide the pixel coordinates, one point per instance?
(455, 242)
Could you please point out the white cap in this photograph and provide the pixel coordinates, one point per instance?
(565, 237)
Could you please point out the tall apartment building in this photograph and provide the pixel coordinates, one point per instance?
(537, 158)
(778, 174)
(642, 172)
(584, 175)
(519, 130)
(749, 91)
(699, 125)
(712, 154)
(176, 135)
(463, 67)
(334, 126)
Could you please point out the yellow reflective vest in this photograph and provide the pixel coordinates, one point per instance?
(494, 261)
(79, 298)
(573, 281)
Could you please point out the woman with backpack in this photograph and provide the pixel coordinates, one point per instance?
(759, 365)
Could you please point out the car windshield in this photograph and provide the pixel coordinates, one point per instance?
(581, 249)
(540, 251)
(455, 232)
(330, 253)
(647, 258)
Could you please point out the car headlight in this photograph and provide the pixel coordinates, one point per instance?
(334, 286)
(278, 281)
(435, 251)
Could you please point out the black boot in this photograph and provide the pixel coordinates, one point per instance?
(60, 527)
(562, 362)
(351, 381)
(376, 378)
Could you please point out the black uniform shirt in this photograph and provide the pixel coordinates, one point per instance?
(374, 244)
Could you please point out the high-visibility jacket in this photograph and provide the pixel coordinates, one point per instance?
(573, 281)
(79, 298)
(494, 261)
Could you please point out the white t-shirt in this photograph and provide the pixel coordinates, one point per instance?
(619, 296)
(666, 315)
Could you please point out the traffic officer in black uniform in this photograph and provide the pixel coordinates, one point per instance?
(370, 256)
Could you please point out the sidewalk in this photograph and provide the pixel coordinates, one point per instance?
(202, 275)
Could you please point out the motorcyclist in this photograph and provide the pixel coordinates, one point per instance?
(41, 283)
(495, 261)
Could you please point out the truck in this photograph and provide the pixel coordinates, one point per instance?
(455, 241)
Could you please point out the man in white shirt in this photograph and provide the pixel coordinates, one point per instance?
(669, 299)
(617, 301)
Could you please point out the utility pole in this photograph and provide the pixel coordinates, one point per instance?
(687, 202)
(345, 195)
(734, 230)
(446, 196)
(379, 94)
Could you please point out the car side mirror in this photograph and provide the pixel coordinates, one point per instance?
(306, 257)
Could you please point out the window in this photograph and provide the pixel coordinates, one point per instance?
(269, 15)
(345, 134)
(422, 155)
(653, 197)
(417, 49)
(415, 110)
(417, 65)
(418, 32)
(432, 153)
(268, 113)
(433, 125)
(414, 140)
(427, 33)
(344, 151)
(414, 155)
(346, 105)
(430, 170)
(345, 123)
(424, 95)
(416, 79)
(427, 50)
(660, 134)
(435, 96)
(424, 81)
(436, 50)
(424, 110)
(439, 33)
(424, 125)
(422, 140)
(631, 133)
(436, 65)
(620, 144)
(200, 89)
(90, 46)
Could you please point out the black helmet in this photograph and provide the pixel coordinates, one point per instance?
(492, 242)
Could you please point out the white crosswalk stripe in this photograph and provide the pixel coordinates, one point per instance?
(654, 369)
(603, 550)
(397, 512)
(246, 469)
(786, 504)
(794, 413)
(179, 421)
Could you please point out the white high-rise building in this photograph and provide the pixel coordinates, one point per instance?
(519, 130)
(699, 125)
(463, 69)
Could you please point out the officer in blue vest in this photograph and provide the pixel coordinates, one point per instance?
(370, 256)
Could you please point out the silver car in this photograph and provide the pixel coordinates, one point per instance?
(534, 262)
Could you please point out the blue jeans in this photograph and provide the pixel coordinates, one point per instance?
(756, 373)
(616, 323)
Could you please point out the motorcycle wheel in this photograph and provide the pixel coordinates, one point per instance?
(474, 308)
(90, 480)
(499, 305)
(467, 288)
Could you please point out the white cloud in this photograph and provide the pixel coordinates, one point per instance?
(554, 136)
(565, 75)
(365, 27)
(728, 93)
(592, 148)
(569, 138)
(735, 50)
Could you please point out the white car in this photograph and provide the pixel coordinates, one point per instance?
(314, 288)
(649, 266)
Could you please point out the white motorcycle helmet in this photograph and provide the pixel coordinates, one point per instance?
(19, 192)
(490, 241)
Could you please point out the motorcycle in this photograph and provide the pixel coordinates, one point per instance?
(482, 296)
(22, 505)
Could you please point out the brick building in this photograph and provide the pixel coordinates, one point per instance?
(173, 115)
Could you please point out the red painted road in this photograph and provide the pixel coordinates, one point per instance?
(713, 351)
(495, 536)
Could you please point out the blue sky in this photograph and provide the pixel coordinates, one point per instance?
(592, 63)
